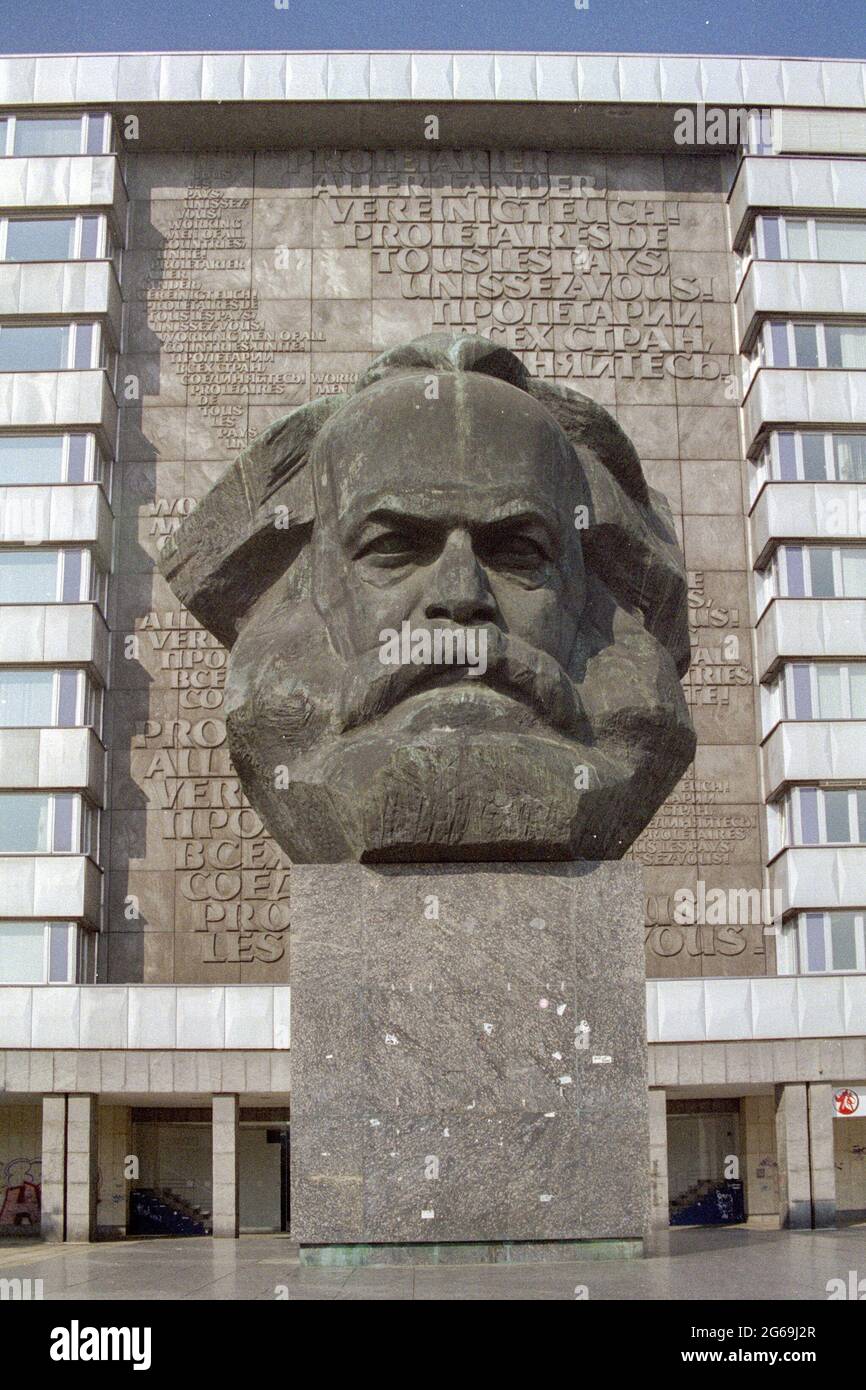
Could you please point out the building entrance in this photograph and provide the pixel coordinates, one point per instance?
(705, 1186)
(263, 1182)
(173, 1194)
(849, 1145)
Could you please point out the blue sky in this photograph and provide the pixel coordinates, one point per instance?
(820, 28)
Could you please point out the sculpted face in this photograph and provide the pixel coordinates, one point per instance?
(451, 512)
(456, 510)
(445, 502)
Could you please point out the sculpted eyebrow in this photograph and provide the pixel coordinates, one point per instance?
(352, 523)
(524, 520)
(387, 516)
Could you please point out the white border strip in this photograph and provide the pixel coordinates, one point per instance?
(131, 78)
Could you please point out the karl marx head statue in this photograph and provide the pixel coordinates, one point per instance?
(456, 616)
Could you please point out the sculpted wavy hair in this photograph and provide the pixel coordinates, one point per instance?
(257, 519)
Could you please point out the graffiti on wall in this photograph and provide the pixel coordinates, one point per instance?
(21, 1192)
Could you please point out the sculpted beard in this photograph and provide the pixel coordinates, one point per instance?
(369, 690)
(579, 746)
(329, 702)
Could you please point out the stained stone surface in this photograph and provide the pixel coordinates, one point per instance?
(257, 281)
(447, 1026)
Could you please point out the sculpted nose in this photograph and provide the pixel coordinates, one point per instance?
(459, 591)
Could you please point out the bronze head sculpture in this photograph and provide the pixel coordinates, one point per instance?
(457, 618)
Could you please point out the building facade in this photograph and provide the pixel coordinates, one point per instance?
(193, 244)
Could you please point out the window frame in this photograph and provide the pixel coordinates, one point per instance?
(789, 808)
(763, 353)
(105, 242)
(103, 353)
(54, 675)
(88, 698)
(80, 951)
(789, 692)
(794, 953)
(87, 120)
(85, 825)
(767, 467)
(93, 581)
(759, 242)
(97, 467)
(774, 582)
(759, 133)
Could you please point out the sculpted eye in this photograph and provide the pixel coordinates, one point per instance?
(518, 552)
(386, 545)
(393, 546)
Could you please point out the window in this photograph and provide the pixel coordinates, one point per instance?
(52, 347)
(84, 959)
(823, 690)
(47, 823)
(849, 457)
(840, 241)
(22, 952)
(47, 136)
(816, 571)
(798, 239)
(35, 953)
(50, 458)
(38, 575)
(800, 456)
(845, 346)
(805, 344)
(765, 242)
(34, 347)
(49, 347)
(85, 237)
(55, 135)
(39, 239)
(808, 239)
(819, 816)
(785, 343)
(819, 943)
(38, 698)
(31, 576)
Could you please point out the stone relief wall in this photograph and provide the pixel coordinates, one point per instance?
(256, 282)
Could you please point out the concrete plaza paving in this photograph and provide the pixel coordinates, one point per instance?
(703, 1264)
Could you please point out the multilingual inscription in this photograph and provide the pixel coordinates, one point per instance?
(720, 659)
(230, 874)
(553, 265)
(696, 826)
(570, 261)
(222, 350)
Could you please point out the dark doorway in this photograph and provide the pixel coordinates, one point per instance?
(281, 1136)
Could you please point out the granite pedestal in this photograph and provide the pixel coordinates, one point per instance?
(468, 1059)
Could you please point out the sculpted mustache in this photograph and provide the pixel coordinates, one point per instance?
(513, 667)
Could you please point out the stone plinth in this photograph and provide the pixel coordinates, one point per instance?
(468, 1054)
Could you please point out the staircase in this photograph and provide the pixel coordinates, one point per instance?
(161, 1212)
(709, 1202)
